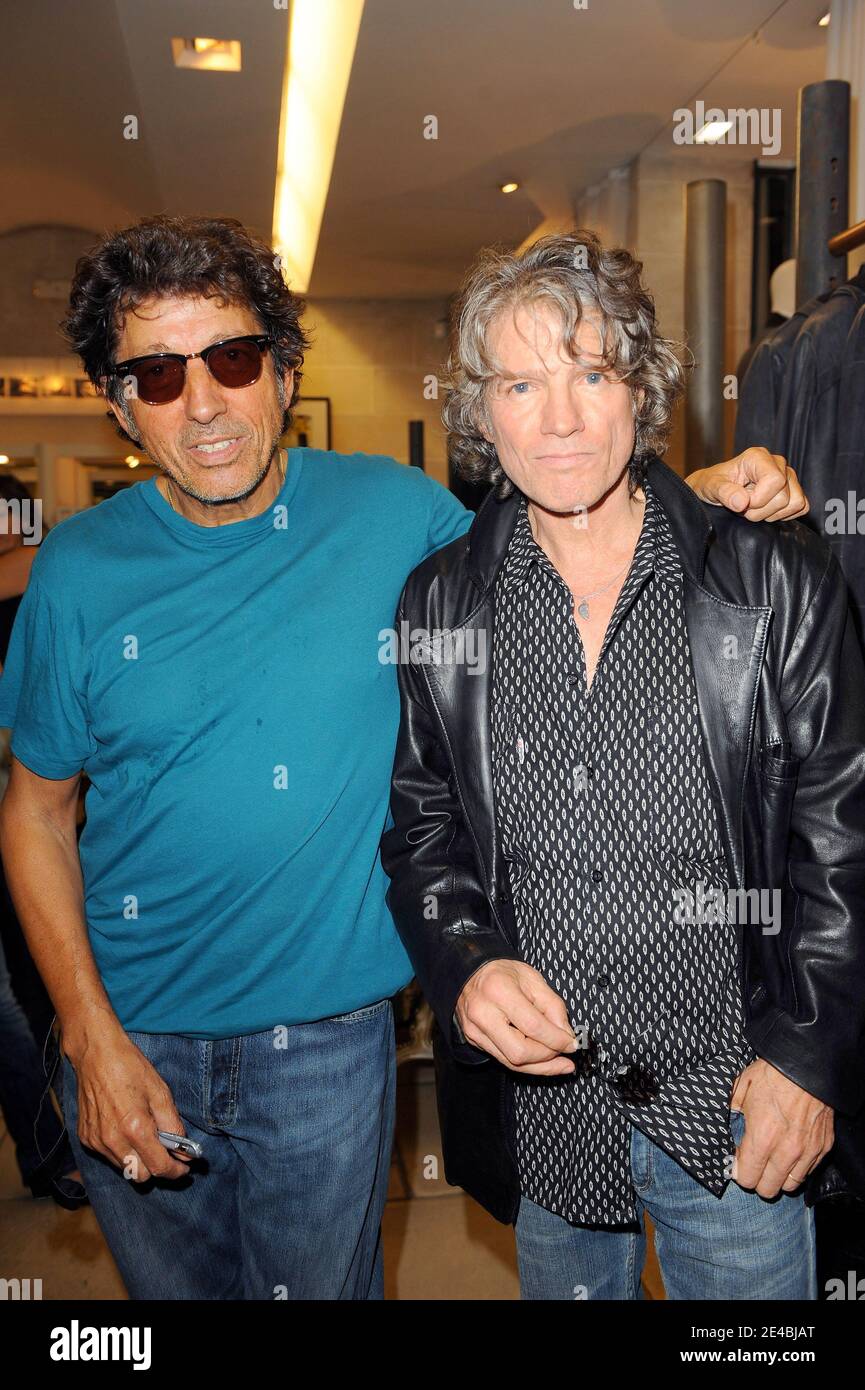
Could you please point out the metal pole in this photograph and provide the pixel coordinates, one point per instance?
(822, 181)
(705, 300)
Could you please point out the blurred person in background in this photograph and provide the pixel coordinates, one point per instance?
(42, 1149)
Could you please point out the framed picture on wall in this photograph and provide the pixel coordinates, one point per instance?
(55, 385)
(310, 427)
(46, 387)
(23, 386)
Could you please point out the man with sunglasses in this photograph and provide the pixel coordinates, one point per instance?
(206, 647)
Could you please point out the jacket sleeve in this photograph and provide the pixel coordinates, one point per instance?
(820, 1043)
(436, 895)
(796, 410)
(755, 416)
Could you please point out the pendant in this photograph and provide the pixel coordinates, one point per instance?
(583, 609)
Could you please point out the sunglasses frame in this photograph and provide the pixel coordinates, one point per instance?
(262, 341)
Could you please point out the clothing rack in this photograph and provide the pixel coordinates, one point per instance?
(848, 240)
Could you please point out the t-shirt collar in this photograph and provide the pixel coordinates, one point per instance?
(236, 532)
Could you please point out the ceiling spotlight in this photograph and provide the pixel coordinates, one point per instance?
(508, 187)
(132, 460)
(4, 458)
(825, 20)
(207, 55)
(711, 132)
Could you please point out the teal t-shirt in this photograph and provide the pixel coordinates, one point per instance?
(223, 690)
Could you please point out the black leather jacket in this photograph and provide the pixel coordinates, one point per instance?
(804, 394)
(782, 716)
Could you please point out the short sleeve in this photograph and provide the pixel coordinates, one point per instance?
(448, 518)
(41, 694)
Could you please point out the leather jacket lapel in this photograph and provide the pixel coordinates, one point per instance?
(728, 645)
(462, 696)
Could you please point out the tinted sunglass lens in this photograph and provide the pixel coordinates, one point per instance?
(159, 381)
(236, 364)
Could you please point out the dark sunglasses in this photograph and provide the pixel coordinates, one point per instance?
(161, 376)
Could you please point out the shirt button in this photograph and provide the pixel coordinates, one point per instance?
(602, 980)
(597, 876)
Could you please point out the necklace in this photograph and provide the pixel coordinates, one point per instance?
(583, 604)
(281, 465)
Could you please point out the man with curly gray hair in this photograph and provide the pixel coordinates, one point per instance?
(576, 276)
(613, 846)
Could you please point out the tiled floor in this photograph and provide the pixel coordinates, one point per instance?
(438, 1243)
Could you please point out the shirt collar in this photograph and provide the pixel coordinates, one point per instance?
(668, 566)
(655, 552)
(523, 551)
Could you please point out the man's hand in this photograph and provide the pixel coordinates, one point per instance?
(760, 485)
(509, 1010)
(122, 1102)
(787, 1131)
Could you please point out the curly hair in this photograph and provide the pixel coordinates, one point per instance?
(207, 257)
(572, 272)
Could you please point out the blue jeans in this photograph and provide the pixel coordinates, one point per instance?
(30, 1116)
(738, 1246)
(296, 1126)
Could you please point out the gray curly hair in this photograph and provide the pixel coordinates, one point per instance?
(574, 273)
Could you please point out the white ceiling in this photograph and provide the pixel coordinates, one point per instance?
(527, 89)
(73, 69)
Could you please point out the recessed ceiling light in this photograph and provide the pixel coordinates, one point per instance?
(825, 20)
(508, 187)
(207, 55)
(132, 460)
(711, 132)
(4, 458)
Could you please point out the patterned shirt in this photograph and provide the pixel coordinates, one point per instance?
(611, 837)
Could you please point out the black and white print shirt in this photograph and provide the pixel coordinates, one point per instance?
(604, 809)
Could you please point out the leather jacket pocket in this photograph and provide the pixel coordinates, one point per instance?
(776, 763)
(778, 774)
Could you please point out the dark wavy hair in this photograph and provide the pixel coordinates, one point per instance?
(210, 257)
(573, 273)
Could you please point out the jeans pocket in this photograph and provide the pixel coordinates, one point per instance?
(737, 1126)
(360, 1015)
